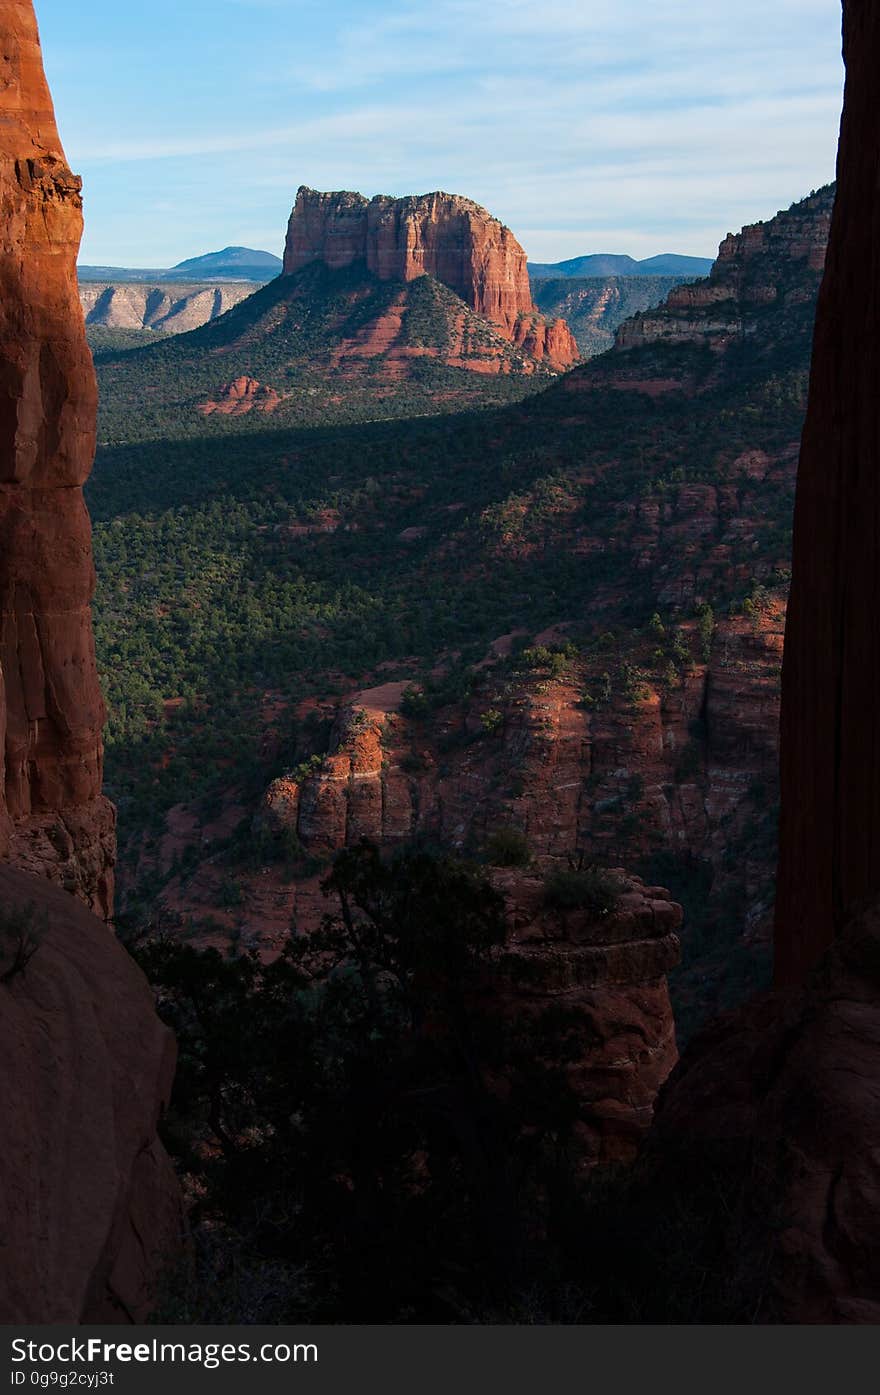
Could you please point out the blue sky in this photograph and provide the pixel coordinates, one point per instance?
(635, 126)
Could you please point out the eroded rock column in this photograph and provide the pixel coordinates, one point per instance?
(53, 820)
(830, 729)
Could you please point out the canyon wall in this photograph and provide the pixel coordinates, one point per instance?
(53, 819)
(830, 759)
(788, 1086)
(174, 310)
(90, 1209)
(745, 280)
(440, 235)
(608, 971)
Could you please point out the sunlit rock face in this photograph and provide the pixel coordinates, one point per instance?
(90, 1209)
(53, 820)
(440, 235)
(775, 263)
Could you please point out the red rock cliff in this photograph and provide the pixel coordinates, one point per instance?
(440, 235)
(765, 264)
(53, 819)
(789, 1083)
(90, 1209)
(830, 756)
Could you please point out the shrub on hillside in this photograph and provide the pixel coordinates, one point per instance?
(582, 888)
(508, 847)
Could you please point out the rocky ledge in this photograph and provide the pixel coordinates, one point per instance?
(755, 268)
(606, 974)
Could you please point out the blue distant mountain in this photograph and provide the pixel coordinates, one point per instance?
(239, 263)
(612, 264)
(232, 264)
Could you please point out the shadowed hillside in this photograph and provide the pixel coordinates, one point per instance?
(593, 580)
(595, 307)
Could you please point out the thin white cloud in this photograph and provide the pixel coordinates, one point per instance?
(642, 125)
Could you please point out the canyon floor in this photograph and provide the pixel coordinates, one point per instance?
(562, 617)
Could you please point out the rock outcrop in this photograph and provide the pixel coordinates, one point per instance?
(53, 819)
(608, 978)
(89, 1204)
(830, 762)
(607, 973)
(175, 310)
(726, 307)
(680, 761)
(240, 397)
(789, 1084)
(440, 235)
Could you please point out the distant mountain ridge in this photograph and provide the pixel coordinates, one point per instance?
(612, 264)
(594, 307)
(244, 263)
(159, 308)
(230, 264)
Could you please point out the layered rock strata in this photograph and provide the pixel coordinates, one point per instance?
(52, 816)
(609, 973)
(166, 311)
(745, 279)
(607, 979)
(595, 307)
(440, 235)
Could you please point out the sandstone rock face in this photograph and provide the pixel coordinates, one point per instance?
(561, 773)
(440, 235)
(830, 764)
(610, 976)
(725, 308)
(791, 1081)
(167, 310)
(52, 815)
(685, 768)
(240, 397)
(89, 1204)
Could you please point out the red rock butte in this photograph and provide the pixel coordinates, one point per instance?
(53, 819)
(440, 235)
